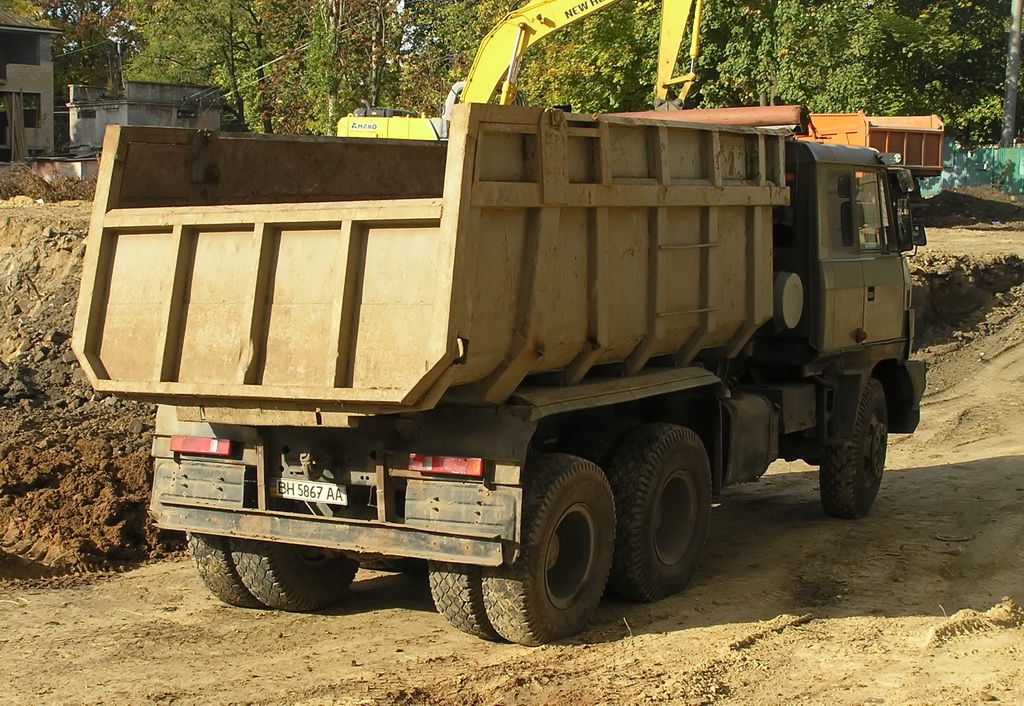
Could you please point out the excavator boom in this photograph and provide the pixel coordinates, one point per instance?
(496, 66)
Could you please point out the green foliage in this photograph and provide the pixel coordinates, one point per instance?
(22, 8)
(242, 46)
(441, 43)
(291, 66)
(285, 66)
(354, 56)
(885, 57)
(605, 63)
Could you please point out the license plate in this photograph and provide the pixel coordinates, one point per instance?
(308, 490)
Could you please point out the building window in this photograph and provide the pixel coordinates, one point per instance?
(30, 106)
(30, 110)
(18, 48)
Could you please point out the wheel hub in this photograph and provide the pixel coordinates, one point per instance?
(569, 555)
(873, 452)
(675, 517)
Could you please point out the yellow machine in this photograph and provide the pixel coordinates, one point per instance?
(495, 69)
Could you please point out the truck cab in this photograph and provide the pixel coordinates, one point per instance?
(844, 234)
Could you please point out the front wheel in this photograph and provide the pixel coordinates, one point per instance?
(851, 473)
(568, 530)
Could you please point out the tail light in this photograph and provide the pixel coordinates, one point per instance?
(450, 465)
(201, 446)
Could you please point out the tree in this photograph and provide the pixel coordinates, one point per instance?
(22, 8)
(606, 63)
(293, 66)
(95, 38)
(885, 57)
(242, 46)
(354, 56)
(286, 66)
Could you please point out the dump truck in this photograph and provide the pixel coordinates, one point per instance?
(530, 356)
(916, 138)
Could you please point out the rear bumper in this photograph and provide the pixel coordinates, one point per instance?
(328, 533)
(389, 511)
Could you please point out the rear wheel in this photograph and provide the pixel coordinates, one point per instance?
(458, 594)
(661, 479)
(851, 473)
(568, 530)
(599, 442)
(211, 556)
(290, 577)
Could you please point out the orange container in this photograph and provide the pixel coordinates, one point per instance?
(918, 138)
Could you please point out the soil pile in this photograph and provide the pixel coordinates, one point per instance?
(73, 463)
(971, 205)
(959, 295)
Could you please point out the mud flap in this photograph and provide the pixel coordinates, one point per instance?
(905, 410)
(751, 437)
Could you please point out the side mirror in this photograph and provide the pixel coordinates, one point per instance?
(919, 238)
(905, 181)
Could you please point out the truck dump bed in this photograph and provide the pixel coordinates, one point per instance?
(311, 276)
(917, 138)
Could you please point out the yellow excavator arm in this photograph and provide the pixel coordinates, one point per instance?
(495, 69)
(496, 66)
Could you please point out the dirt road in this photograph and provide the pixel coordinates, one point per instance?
(788, 607)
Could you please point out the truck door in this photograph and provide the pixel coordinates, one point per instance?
(885, 271)
(841, 310)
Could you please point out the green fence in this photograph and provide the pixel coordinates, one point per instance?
(978, 166)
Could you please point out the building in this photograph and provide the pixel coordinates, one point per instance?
(92, 109)
(26, 88)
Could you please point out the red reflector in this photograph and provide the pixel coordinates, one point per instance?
(452, 465)
(201, 446)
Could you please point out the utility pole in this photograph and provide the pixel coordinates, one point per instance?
(1012, 76)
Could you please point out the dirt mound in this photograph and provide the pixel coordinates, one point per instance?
(22, 182)
(970, 205)
(957, 295)
(73, 463)
(1005, 616)
(72, 508)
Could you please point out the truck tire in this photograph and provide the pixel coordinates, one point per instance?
(568, 530)
(599, 443)
(211, 556)
(661, 479)
(457, 590)
(293, 578)
(851, 473)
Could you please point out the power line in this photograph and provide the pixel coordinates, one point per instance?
(91, 46)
